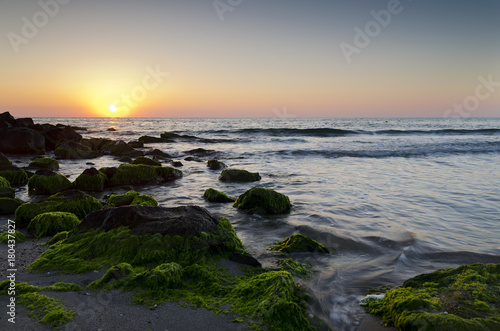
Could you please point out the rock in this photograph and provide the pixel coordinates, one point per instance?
(126, 159)
(91, 180)
(152, 140)
(58, 134)
(238, 175)
(212, 195)
(299, 243)
(192, 158)
(46, 182)
(463, 298)
(147, 161)
(215, 164)
(45, 163)
(131, 198)
(184, 221)
(260, 200)
(177, 164)
(7, 120)
(21, 140)
(140, 174)
(171, 135)
(4, 160)
(71, 201)
(19, 237)
(96, 144)
(201, 152)
(108, 171)
(119, 148)
(50, 224)
(157, 153)
(8, 206)
(6, 190)
(74, 151)
(136, 144)
(16, 176)
(111, 130)
(244, 258)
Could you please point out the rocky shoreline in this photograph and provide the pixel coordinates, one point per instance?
(157, 255)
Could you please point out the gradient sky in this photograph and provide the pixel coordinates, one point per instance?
(266, 58)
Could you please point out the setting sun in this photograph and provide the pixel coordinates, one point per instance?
(112, 108)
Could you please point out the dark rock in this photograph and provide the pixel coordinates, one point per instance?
(96, 144)
(158, 153)
(238, 175)
(55, 135)
(4, 160)
(91, 180)
(213, 195)
(126, 159)
(147, 161)
(111, 130)
(90, 172)
(26, 122)
(299, 243)
(183, 221)
(15, 176)
(151, 140)
(171, 135)
(108, 171)
(74, 151)
(192, 158)
(201, 152)
(244, 258)
(45, 163)
(7, 120)
(260, 200)
(215, 164)
(6, 190)
(136, 144)
(8, 206)
(177, 164)
(119, 148)
(21, 141)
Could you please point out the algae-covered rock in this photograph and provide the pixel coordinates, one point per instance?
(119, 148)
(215, 164)
(4, 160)
(463, 298)
(147, 161)
(260, 200)
(9, 205)
(71, 201)
(91, 180)
(131, 198)
(299, 243)
(141, 174)
(238, 175)
(57, 238)
(14, 237)
(213, 195)
(74, 151)
(6, 191)
(47, 182)
(45, 163)
(16, 176)
(296, 268)
(51, 223)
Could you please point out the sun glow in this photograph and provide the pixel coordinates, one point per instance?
(112, 108)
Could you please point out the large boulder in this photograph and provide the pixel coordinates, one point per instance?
(6, 190)
(74, 151)
(56, 134)
(119, 148)
(8, 206)
(213, 195)
(49, 224)
(260, 200)
(141, 174)
(7, 120)
(45, 163)
(214, 164)
(21, 140)
(16, 176)
(238, 175)
(147, 161)
(4, 160)
(46, 182)
(91, 180)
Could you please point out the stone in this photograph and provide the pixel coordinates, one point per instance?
(238, 175)
(260, 200)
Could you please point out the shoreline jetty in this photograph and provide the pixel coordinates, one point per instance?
(124, 261)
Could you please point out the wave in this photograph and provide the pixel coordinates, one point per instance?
(330, 132)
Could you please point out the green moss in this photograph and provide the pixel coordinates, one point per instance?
(17, 236)
(91, 183)
(75, 202)
(91, 250)
(260, 200)
(46, 310)
(57, 238)
(296, 268)
(4, 182)
(23, 287)
(8, 205)
(216, 196)
(47, 185)
(299, 243)
(464, 298)
(141, 174)
(45, 163)
(238, 175)
(51, 223)
(147, 161)
(15, 175)
(131, 198)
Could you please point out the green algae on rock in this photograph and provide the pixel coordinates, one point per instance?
(71, 201)
(9, 206)
(51, 223)
(6, 191)
(45, 163)
(213, 195)
(215, 164)
(463, 298)
(131, 198)
(146, 161)
(260, 200)
(91, 180)
(141, 174)
(299, 243)
(296, 268)
(16, 176)
(57, 238)
(238, 175)
(46, 182)
(17, 236)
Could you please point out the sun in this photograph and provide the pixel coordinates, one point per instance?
(112, 108)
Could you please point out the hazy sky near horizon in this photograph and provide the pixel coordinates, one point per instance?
(245, 58)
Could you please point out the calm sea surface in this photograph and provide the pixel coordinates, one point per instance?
(395, 197)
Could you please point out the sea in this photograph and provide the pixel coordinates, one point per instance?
(395, 197)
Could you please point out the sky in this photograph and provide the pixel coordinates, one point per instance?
(250, 58)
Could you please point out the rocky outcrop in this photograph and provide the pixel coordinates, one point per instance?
(238, 175)
(260, 200)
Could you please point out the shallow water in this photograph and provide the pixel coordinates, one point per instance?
(395, 197)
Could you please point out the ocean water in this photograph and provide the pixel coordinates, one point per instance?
(394, 197)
